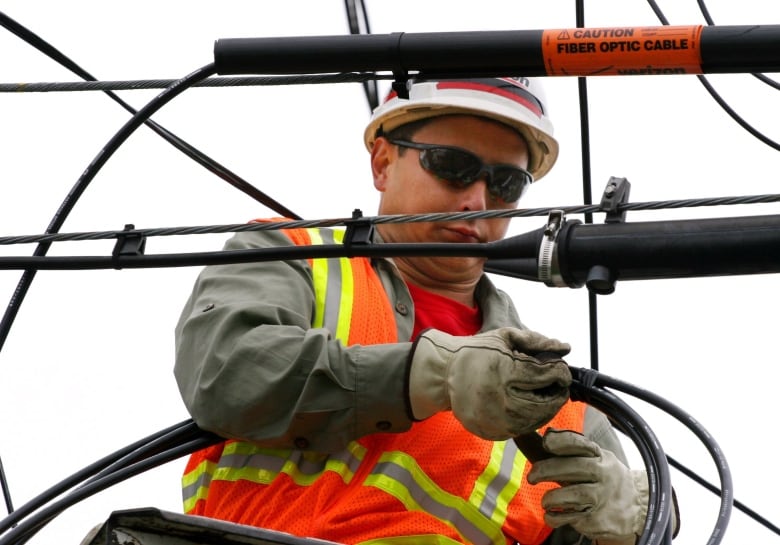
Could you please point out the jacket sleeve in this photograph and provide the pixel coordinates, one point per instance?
(250, 366)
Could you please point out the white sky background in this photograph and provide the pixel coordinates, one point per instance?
(87, 368)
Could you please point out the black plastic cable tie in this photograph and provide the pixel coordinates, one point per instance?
(129, 243)
(401, 86)
(615, 194)
(586, 379)
(360, 230)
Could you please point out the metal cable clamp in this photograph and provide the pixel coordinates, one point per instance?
(549, 270)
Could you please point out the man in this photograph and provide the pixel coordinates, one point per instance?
(374, 401)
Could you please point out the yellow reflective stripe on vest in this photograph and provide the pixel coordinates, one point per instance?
(399, 475)
(420, 539)
(499, 482)
(195, 484)
(334, 287)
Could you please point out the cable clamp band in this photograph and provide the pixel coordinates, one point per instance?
(549, 270)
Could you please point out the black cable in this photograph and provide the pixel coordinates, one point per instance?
(632, 425)
(9, 504)
(185, 438)
(590, 386)
(724, 473)
(193, 153)
(185, 431)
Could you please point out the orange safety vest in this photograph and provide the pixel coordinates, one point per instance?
(435, 484)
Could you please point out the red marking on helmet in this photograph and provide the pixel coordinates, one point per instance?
(517, 94)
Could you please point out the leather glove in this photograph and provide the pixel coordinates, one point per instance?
(599, 497)
(492, 386)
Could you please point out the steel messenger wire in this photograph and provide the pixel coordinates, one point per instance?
(381, 219)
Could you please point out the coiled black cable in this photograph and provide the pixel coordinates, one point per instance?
(726, 492)
(628, 421)
(184, 438)
(162, 447)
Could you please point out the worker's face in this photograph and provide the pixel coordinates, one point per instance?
(407, 188)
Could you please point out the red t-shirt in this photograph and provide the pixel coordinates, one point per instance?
(443, 313)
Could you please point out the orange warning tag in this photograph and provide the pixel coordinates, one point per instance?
(622, 51)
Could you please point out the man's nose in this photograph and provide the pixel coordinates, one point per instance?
(475, 196)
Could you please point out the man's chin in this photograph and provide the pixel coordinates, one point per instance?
(457, 266)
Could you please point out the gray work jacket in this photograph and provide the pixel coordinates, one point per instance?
(250, 366)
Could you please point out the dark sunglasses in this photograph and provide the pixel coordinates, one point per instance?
(461, 168)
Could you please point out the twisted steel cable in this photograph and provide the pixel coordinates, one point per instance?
(375, 220)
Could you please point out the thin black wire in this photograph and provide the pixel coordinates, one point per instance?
(715, 95)
(357, 18)
(190, 151)
(88, 175)
(22, 287)
(587, 192)
(717, 491)
(9, 504)
(761, 77)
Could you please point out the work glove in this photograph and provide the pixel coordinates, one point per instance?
(599, 497)
(494, 388)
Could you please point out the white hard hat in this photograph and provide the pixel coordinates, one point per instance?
(517, 102)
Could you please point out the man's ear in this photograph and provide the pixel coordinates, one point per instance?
(381, 157)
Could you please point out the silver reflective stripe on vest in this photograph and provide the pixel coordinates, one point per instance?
(399, 475)
(269, 463)
(193, 490)
(333, 287)
(500, 481)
